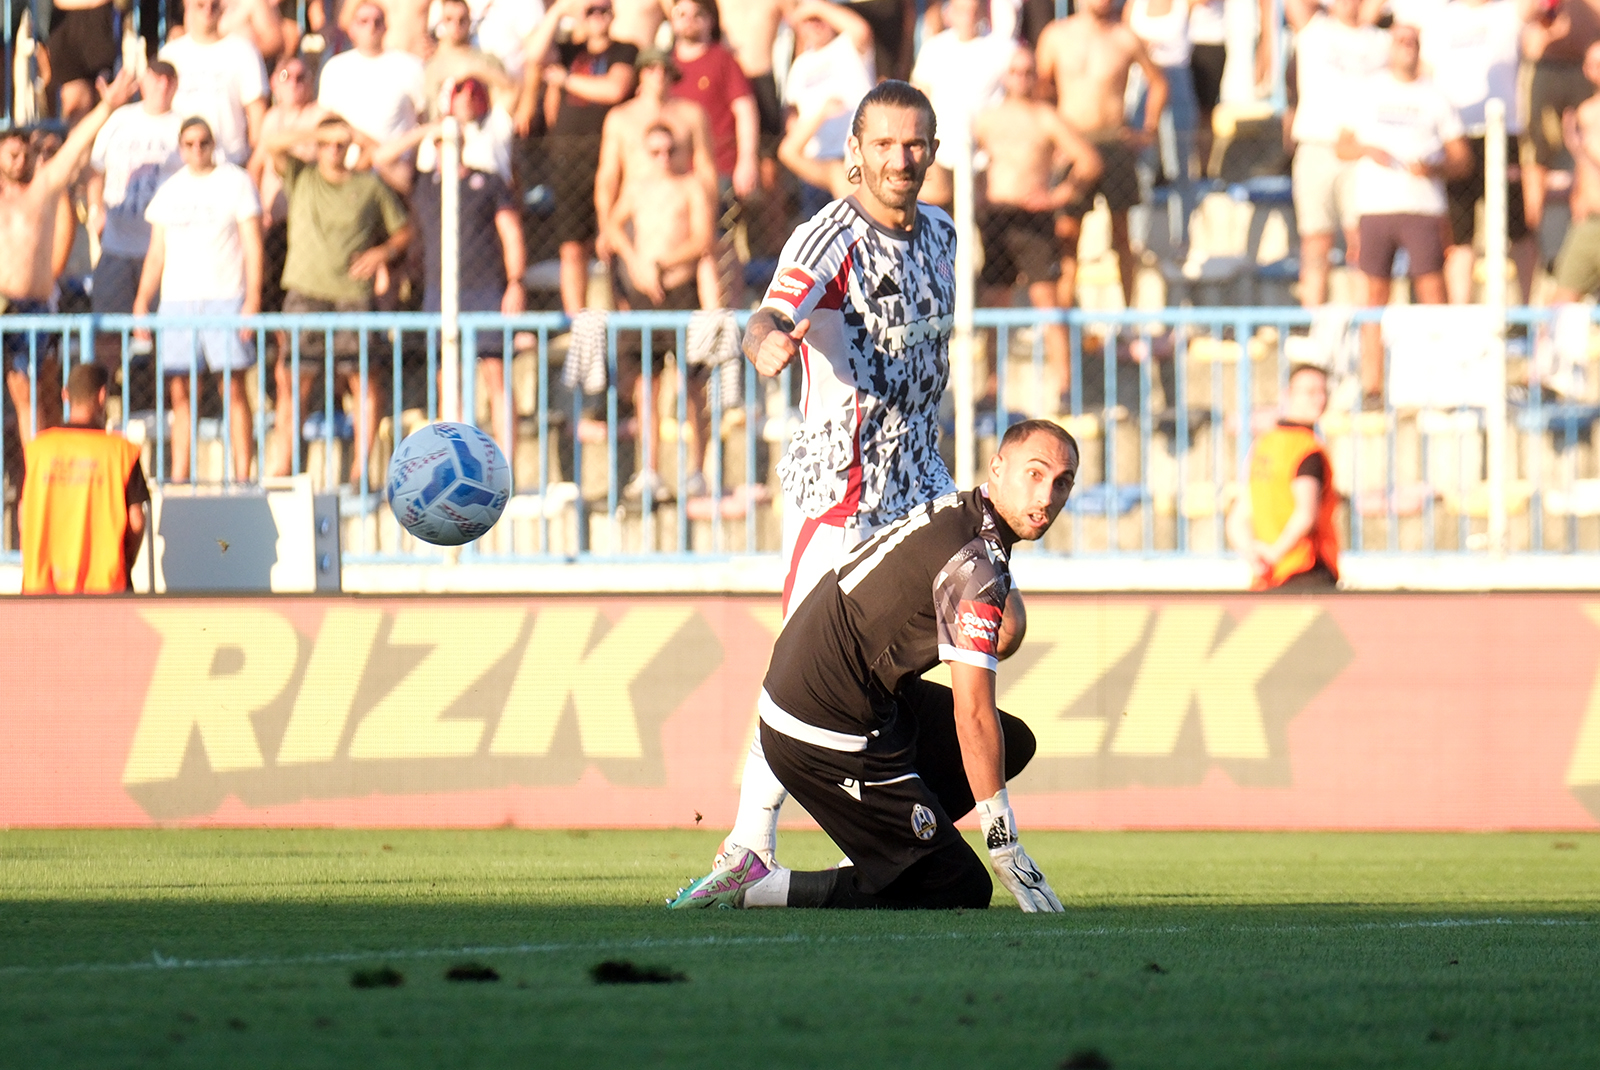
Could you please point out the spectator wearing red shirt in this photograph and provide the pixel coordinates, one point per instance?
(713, 80)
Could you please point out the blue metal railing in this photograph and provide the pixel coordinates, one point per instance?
(1165, 403)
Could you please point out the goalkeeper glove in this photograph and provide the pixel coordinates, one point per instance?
(1011, 863)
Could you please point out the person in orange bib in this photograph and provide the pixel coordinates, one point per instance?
(1284, 524)
(82, 499)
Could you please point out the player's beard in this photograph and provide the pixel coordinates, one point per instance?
(890, 188)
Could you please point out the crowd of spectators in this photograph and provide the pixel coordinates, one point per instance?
(591, 126)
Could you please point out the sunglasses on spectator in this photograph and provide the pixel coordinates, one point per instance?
(340, 145)
(291, 76)
(196, 143)
(596, 12)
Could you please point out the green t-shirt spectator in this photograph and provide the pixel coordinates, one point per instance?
(329, 223)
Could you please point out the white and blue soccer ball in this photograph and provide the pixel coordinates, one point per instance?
(448, 483)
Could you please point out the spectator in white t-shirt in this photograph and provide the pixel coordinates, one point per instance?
(378, 91)
(961, 70)
(832, 70)
(205, 259)
(1405, 139)
(220, 79)
(134, 153)
(1335, 53)
(1472, 49)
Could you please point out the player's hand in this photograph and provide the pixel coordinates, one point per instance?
(1016, 871)
(1021, 877)
(780, 347)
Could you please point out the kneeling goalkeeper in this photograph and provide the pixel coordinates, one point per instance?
(885, 761)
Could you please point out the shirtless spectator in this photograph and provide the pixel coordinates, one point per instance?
(622, 141)
(751, 27)
(1472, 48)
(960, 69)
(661, 228)
(82, 46)
(30, 200)
(712, 79)
(134, 153)
(1554, 43)
(220, 79)
(455, 58)
(1336, 50)
(407, 21)
(1028, 145)
(263, 25)
(832, 71)
(1406, 140)
(1577, 268)
(639, 23)
(583, 84)
(377, 90)
(1084, 61)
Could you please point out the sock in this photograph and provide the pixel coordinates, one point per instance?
(761, 795)
(770, 891)
(813, 888)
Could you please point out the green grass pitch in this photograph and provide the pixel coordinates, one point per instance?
(237, 949)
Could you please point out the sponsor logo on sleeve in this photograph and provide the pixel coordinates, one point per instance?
(791, 287)
(977, 626)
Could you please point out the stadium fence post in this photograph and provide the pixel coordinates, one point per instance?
(1494, 249)
(961, 343)
(450, 270)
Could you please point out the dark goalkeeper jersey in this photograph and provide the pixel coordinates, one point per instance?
(928, 588)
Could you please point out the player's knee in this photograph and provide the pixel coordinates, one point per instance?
(1021, 743)
(976, 887)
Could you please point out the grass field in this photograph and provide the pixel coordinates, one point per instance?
(237, 949)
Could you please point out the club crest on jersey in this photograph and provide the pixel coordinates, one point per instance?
(791, 286)
(923, 823)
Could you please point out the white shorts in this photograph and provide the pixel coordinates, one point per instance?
(1324, 190)
(811, 548)
(220, 345)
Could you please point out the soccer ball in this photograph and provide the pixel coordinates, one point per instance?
(448, 483)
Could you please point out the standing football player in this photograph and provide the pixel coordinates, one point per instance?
(863, 300)
(884, 760)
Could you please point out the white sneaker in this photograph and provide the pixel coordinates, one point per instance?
(646, 477)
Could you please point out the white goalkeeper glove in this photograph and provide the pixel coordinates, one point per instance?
(1011, 863)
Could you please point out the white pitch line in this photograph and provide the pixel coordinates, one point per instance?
(158, 961)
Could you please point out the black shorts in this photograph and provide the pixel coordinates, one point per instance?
(346, 344)
(19, 351)
(768, 106)
(1119, 180)
(1018, 244)
(894, 804)
(574, 160)
(1382, 236)
(1205, 66)
(274, 253)
(1465, 193)
(82, 44)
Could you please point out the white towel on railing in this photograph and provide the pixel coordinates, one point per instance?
(713, 341)
(1562, 352)
(1439, 356)
(586, 353)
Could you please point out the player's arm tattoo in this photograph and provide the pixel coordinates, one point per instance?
(762, 323)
